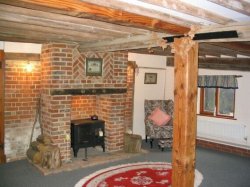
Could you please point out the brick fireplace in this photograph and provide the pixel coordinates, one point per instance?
(67, 94)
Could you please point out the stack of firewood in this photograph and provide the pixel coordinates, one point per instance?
(42, 152)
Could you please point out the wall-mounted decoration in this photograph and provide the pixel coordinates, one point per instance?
(94, 66)
(150, 78)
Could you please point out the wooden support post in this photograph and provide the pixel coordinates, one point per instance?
(185, 99)
(2, 155)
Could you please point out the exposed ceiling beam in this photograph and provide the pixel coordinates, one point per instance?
(219, 63)
(232, 49)
(37, 37)
(144, 41)
(10, 38)
(242, 6)
(242, 28)
(22, 56)
(128, 7)
(81, 9)
(26, 28)
(135, 42)
(58, 21)
(153, 51)
(190, 10)
(208, 48)
(239, 47)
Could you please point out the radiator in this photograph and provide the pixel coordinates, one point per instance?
(222, 131)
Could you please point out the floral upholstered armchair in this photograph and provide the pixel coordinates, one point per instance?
(159, 122)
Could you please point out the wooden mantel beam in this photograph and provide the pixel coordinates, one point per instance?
(77, 8)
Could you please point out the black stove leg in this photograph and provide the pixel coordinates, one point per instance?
(86, 154)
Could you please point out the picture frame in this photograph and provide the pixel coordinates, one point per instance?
(150, 78)
(94, 66)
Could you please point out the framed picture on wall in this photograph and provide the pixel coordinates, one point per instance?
(150, 78)
(94, 66)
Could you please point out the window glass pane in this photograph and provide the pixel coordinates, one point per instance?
(209, 99)
(226, 102)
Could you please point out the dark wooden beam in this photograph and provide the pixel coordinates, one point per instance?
(2, 154)
(242, 48)
(98, 91)
(185, 119)
(207, 36)
(208, 49)
(22, 56)
(239, 64)
(77, 8)
(153, 51)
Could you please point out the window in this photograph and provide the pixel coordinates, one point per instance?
(217, 102)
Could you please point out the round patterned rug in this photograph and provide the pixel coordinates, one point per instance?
(146, 174)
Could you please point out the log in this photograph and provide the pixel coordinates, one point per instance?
(51, 158)
(44, 139)
(132, 143)
(34, 156)
(34, 145)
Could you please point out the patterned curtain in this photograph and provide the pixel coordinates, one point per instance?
(218, 81)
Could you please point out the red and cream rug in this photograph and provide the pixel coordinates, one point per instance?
(145, 174)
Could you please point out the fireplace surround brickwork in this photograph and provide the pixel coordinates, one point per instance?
(63, 67)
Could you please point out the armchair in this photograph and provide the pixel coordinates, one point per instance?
(163, 132)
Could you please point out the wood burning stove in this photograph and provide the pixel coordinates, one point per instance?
(87, 133)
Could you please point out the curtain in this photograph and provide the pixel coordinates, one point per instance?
(218, 81)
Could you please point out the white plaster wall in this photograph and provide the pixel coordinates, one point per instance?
(150, 64)
(242, 101)
(1, 45)
(170, 83)
(16, 47)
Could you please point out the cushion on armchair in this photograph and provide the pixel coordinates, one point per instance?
(159, 117)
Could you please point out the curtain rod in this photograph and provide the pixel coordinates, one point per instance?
(237, 76)
(151, 68)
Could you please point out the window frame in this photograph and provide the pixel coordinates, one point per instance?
(216, 113)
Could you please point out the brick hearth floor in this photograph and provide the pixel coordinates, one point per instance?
(95, 156)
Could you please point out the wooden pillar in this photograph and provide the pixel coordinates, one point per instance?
(2, 155)
(185, 101)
